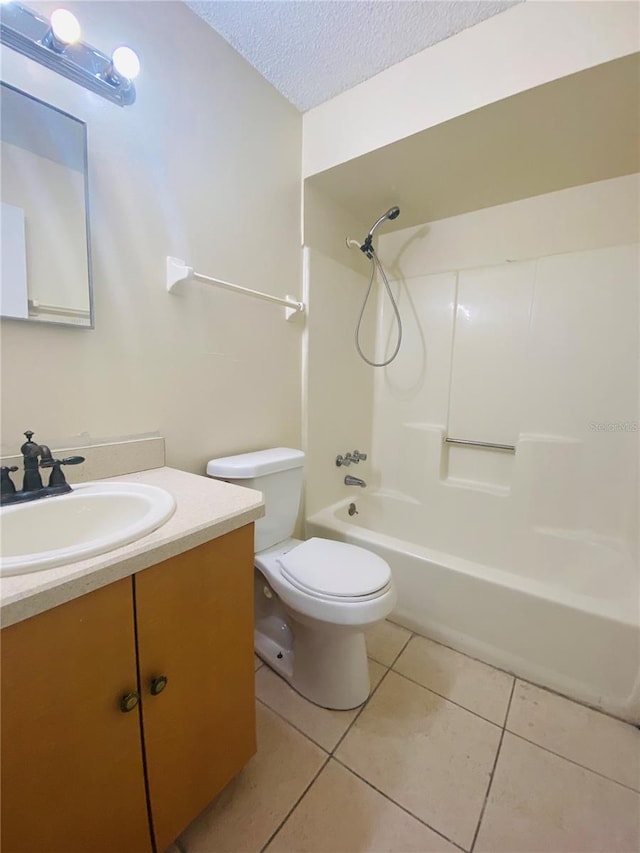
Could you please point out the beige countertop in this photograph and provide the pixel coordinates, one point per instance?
(206, 509)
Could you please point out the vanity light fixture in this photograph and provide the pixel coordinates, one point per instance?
(55, 43)
(64, 30)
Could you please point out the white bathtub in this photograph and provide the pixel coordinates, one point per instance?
(555, 609)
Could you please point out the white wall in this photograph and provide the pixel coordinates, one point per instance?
(528, 45)
(521, 327)
(204, 166)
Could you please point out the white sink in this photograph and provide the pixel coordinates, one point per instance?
(93, 519)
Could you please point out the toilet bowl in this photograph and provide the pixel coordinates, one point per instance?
(314, 599)
(315, 637)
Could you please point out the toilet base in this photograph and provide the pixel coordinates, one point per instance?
(326, 663)
(328, 668)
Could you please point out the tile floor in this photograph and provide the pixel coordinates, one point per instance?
(447, 754)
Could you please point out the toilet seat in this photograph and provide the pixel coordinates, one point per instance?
(335, 571)
(332, 609)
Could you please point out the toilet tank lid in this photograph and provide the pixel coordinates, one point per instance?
(244, 466)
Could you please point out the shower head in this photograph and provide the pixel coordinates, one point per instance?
(392, 213)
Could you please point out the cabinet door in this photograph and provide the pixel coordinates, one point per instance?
(72, 773)
(194, 616)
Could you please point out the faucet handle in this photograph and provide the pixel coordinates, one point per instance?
(343, 460)
(72, 460)
(7, 485)
(56, 478)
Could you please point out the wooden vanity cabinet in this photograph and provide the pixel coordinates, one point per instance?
(195, 627)
(71, 764)
(79, 774)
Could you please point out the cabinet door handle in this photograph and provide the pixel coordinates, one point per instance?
(129, 701)
(158, 684)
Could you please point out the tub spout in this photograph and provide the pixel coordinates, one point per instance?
(354, 481)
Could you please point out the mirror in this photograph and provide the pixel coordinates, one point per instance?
(44, 216)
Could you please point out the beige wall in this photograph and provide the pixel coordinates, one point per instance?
(528, 45)
(327, 226)
(337, 384)
(204, 166)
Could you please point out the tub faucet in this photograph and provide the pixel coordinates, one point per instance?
(354, 481)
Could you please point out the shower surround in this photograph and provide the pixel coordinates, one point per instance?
(521, 328)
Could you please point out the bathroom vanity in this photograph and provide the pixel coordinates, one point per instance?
(127, 680)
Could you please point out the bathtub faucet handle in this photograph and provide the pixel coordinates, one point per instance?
(343, 460)
(357, 456)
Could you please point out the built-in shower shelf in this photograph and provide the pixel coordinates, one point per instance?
(478, 486)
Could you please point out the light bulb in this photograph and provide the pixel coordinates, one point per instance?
(126, 62)
(65, 26)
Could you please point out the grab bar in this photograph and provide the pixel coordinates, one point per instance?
(503, 448)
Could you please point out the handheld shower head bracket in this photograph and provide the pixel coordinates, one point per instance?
(367, 247)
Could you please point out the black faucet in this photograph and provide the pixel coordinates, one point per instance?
(36, 456)
(7, 488)
(30, 453)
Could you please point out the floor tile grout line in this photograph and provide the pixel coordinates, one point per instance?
(293, 726)
(573, 761)
(373, 692)
(458, 652)
(412, 634)
(447, 699)
(295, 805)
(578, 702)
(517, 677)
(360, 710)
(332, 753)
(493, 770)
(397, 804)
(329, 756)
(404, 646)
(308, 736)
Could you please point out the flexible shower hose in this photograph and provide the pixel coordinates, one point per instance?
(376, 263)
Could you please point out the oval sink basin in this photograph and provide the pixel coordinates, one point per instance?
(93, 519)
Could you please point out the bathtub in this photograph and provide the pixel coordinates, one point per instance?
(557, 609)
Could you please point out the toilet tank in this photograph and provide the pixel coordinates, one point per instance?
(277, 473)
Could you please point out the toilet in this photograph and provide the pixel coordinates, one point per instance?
(313, 599)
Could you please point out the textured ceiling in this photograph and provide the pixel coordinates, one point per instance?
(311, 50)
